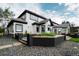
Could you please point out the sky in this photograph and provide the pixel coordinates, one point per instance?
(57, 12)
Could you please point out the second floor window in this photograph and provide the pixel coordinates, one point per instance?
(32, 17)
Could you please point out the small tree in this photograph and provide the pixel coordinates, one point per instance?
(6, 15)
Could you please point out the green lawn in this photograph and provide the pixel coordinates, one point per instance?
(74, 39)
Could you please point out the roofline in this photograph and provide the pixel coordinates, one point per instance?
(11, 22)
(55, 23)
(52, 22)
(27, 11)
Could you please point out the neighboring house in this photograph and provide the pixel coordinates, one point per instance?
(62, 28)
(74, 29)
(30, 22)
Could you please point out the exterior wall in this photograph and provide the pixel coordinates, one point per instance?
(40, 19)
(12, 28)
(18, 31)
(46, 27)
(61, 30)
(29, 27)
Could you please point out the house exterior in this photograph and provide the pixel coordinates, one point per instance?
(30, 22)
(74, 30)
(15, 26)
(62, 28)
(36, 23)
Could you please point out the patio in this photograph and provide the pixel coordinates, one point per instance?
(11, 47)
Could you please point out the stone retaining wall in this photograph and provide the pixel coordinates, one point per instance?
(50, 41)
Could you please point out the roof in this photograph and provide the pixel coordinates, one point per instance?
(52, 23)
(16, 20)
(44, 21)
(55, 23)
(75, 27)
(40, 23)
(27, 11)
(62, 26)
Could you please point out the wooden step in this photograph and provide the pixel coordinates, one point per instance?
(22, 41)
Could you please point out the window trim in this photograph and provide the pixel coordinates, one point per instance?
(43, 28)
(19, 25)
(38, 29)
(33, 19)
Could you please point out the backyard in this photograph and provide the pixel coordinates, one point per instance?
(11, 47)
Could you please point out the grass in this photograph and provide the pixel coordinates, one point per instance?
(75, 40)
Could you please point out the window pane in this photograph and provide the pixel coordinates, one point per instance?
(37, 29)
(19, 27)
(32, 17)
(43, 28)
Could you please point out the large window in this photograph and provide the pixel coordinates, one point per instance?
(18, 27)
(32, 17)
(37, 29)
(43, 28)
(48, 29)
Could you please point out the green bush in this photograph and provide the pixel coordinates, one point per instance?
(1, 30)
(47, 34)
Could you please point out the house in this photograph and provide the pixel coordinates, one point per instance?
(63, 28)
(74, 30)
(30, 22)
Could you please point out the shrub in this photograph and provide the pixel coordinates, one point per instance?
(1, 30)
(47, 34)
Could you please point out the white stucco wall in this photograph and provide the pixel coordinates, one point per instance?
(29, 27)
(62, 30)
(46, 26)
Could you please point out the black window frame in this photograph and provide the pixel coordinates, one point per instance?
(43, 28)
(33, 19)
(37, 29)
(19, 25)
(48, 29)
